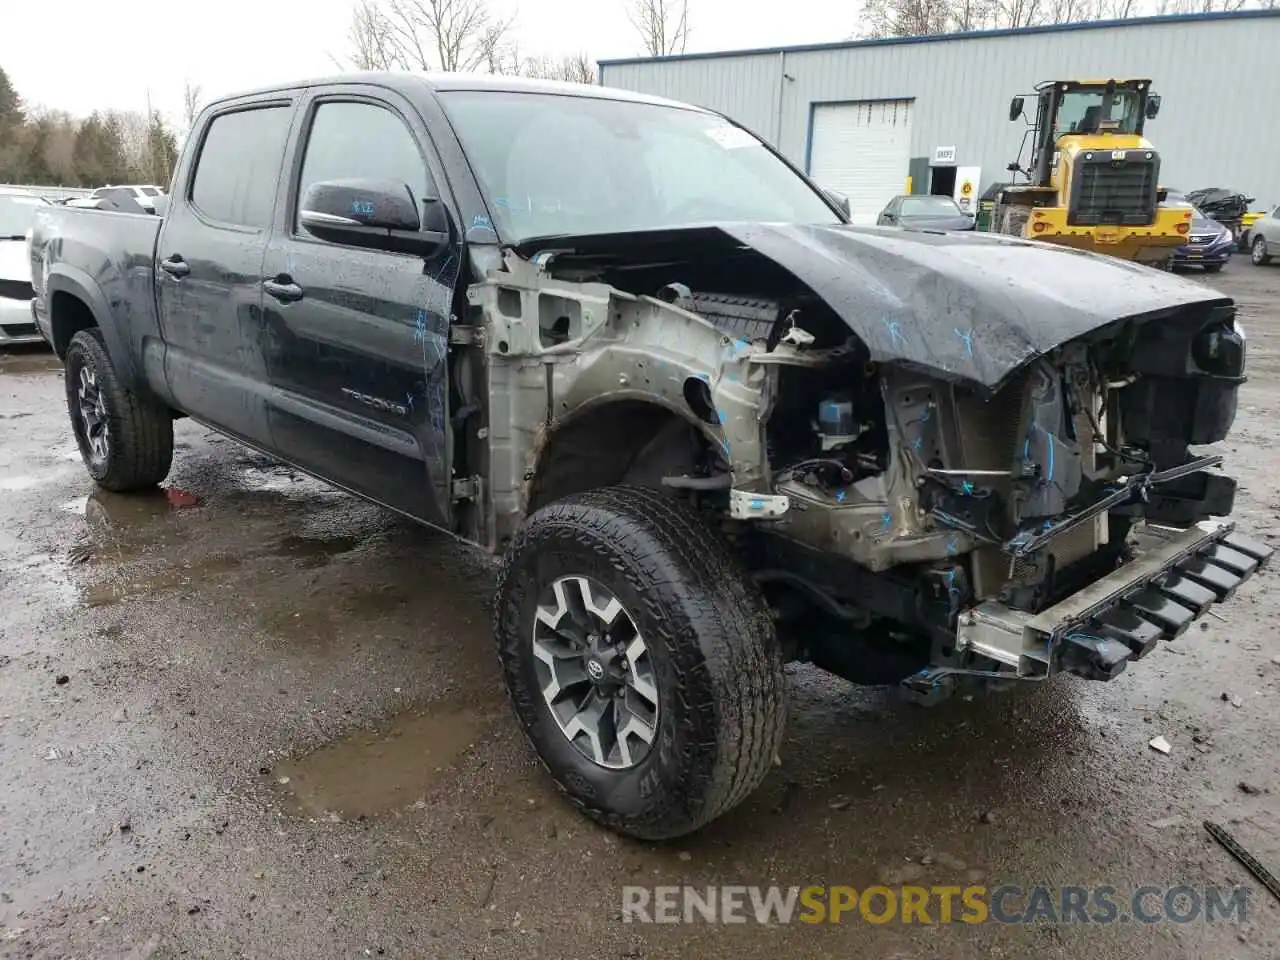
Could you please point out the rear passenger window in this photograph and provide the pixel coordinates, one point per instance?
(239, 164)
(362, 140)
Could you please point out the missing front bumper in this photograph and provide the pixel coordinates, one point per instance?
(1173, 580)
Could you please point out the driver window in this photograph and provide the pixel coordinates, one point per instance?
(362, 140)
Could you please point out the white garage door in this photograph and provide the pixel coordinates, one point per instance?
(862, 150)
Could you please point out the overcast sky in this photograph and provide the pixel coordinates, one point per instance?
(98, 55)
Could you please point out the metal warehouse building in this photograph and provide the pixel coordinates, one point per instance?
(862, 116)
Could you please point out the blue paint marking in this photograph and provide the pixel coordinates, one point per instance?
(919, 442)
(967, 487)
(420, 327)
(895, 331)
(1026, 449)
(886, 521)
(840, 495)
(953, 589)
(966, 337)
(1050, 436)
(362, 208)
(757, 504)
(408, 400)
(481, 220)
(927, 415)
(953, 545)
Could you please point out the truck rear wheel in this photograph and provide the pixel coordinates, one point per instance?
(125, 440)
(640, 659)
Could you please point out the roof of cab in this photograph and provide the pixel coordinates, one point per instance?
(413, 83)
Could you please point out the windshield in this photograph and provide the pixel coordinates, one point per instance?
(16, 214)
(1092, 111)
(552, 165)
(929, 207)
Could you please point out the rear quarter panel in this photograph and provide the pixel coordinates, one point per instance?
(106, 260)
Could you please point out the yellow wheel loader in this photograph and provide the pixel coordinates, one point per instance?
(1093, 180)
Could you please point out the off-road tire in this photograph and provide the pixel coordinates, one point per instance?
(140, 430)
(1259, 254)
(716, 658)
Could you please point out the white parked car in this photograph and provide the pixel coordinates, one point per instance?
(143, 195)
(1264, 238)
(17, 213)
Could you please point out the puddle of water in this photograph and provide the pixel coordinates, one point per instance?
(115, 512)
(26, 362)
(376, 772)
(282, 479)
(315, 551)
(145, 583)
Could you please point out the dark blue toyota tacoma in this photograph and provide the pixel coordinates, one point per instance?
(708, 425)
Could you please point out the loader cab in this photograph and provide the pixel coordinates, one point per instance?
(1084, 109)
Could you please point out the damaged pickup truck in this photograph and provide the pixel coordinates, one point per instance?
(709, 425)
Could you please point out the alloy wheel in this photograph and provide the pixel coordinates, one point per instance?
(92, 410)
(595, 673)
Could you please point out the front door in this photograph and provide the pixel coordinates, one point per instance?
(357, 338)
(209, 268)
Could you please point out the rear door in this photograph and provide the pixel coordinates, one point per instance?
(209, 266)
(358, 337)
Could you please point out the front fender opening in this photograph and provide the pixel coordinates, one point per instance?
(627, 440)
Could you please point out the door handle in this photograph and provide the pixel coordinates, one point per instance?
(283, 289)
(175, 266)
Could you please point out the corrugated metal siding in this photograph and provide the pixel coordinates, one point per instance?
(1217, 79)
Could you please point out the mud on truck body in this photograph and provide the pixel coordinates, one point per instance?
(705, 444)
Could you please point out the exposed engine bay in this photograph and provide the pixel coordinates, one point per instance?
(923, 460)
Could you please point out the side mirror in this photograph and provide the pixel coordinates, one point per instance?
(378, 214)
(1153, 106)
(840, 201)
(1015, 108)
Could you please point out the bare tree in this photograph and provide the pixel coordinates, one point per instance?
(449, 35)
(575, 68)
(1017, 13)
(190, 102)
(663, 25)
(373, 47)
(906, 18)
(972, 14)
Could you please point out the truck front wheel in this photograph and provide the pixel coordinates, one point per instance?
(125, 440)
(640, 659)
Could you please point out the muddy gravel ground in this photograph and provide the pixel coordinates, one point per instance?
(252, 717)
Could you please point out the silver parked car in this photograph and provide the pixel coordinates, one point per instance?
(1264, 242)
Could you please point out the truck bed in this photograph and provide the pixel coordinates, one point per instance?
(113, 251)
